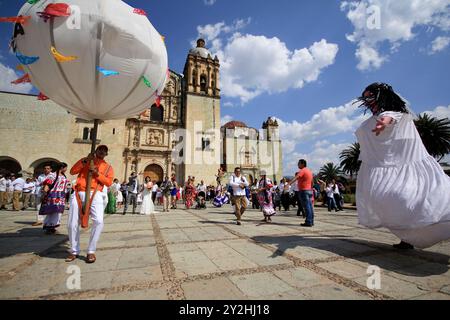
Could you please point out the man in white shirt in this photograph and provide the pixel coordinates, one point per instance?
(239, 183)
(18, 185)
(38, 193)
(3, 191)
(27, 192)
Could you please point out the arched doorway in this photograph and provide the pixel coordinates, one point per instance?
(9, 165)
(251, 179)
(155, 172)
(39, 165)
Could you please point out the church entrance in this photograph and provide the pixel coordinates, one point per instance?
(39, 165)
(9, 165)
(155, 172)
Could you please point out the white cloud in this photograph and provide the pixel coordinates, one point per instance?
(252, 65)
(325, 124)
(225, 119)
(439, 44)
(209, 2)
(316, 159)
(440, 112)
(7, 75)
(394, 24)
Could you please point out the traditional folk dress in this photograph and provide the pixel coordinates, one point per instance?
(400, 186)
(111, 206)
(54, 201)
(190, 193)
(265, 197)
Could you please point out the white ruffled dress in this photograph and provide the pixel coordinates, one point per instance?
(400, 186)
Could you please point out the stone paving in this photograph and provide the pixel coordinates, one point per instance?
(198, 255)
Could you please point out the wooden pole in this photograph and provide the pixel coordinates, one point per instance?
(91, 165)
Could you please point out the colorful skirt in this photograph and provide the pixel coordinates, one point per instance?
(54, 202)
(111, 207)
(266, 204)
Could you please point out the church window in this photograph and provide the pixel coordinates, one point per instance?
(206, 143)
(86, 133)
(157, 113)
(203, 83)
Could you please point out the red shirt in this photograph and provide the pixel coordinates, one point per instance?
(305, 180)
(104, 178)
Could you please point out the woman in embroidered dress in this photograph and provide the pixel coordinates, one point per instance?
(400, 186)
(265, 186)
(190, 193)
(54, 199)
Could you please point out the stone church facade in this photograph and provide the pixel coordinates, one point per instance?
(182, 136)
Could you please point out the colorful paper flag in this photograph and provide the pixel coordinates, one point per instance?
(24, 79)
(140, 12)
(42, 97)
(26, 60)
(107, 73)
(59, 57)
(147, 82)
(20, 19)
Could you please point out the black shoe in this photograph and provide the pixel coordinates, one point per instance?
(403, 246)
(239, 223)
(306, 225)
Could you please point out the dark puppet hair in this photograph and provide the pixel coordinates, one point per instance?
(385, 98)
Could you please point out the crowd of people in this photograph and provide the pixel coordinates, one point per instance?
(21, 194)
(421, 221)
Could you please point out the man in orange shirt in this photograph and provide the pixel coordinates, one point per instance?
(102, 175)
(305, 186)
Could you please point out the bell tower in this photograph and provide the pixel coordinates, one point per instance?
(202, 114)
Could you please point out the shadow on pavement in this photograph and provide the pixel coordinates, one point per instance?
(29, 240)
(388, 262)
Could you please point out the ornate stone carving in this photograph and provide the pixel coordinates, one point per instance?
(174, 115)
(136, 137)
(155, 138)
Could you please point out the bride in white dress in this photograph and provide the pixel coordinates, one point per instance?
(148, 206)
(400, 185)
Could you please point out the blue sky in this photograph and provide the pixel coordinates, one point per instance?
(304, 61)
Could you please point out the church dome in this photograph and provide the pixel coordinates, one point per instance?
(234, 125)
(200, 50)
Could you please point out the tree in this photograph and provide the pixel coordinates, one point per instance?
(329, 172)
(435, 134)
(350, 163)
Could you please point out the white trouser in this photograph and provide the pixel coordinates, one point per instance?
(97, 211)
(37, 202)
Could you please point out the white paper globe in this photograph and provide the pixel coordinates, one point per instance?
(104, 34)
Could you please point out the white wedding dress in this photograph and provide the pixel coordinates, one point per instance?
(400, 186)
(147, 207)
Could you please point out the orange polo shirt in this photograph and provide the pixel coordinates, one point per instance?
(104, 178)
(305, 180)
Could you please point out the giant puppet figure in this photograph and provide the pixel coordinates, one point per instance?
(400, 186)
(99, 59)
